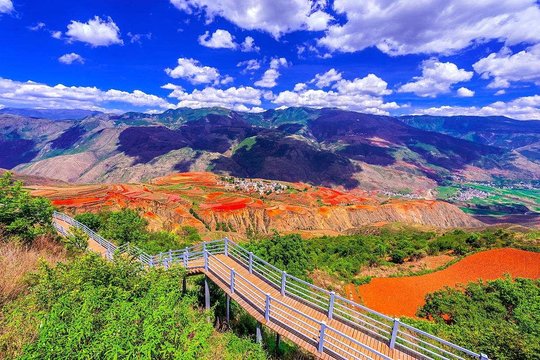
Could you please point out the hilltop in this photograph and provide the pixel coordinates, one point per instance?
(322, 147)
(217, 205)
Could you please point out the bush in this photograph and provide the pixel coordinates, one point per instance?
(94, 221)
(77, 240)
(96, 309)
(22, 216)
(500, 318)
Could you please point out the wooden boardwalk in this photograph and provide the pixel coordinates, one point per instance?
(321, 322)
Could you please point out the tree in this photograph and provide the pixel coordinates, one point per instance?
(287, 252)
(125, 226)
(77, 240)
(22, 216)
(93, 221)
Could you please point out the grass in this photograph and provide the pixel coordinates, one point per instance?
(16, 261)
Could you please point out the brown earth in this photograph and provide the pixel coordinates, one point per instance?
(403, 296)
(199, 199)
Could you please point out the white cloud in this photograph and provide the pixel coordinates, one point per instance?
(37, 27)
(329, 77)
(192, 71)
(56, 34)
(410, 27)
(71, 58)
(464, 92)
(523, 108)
(96, 32)
(38, 95)
(300, 87)
(505, 67)
(437, 78)
(276, 17)
(270, 76)
(6, 6)
(220, 39)
(137, 38)
(500, 92)
(360, 94)
(249, 65)
(243, 98)
(249, 45)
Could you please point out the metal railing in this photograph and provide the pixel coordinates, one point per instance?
(325, 338)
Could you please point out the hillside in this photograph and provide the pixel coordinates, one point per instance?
(215, 205)
(326, 147)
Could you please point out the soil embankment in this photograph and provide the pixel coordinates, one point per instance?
(403, 296)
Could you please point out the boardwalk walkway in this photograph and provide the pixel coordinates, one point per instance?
(325, 324)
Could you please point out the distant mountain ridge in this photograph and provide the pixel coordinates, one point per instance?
(328, 147)
(51, 114)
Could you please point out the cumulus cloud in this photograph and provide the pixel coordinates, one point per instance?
(276, 17)
(95, 32)
(523, 108)
(329, 77)
(432, 27)
(437, 78)
(505, 67)
(249, 65)
(6, 6)
(33, 94)
(220, 39)
(71, 58)
(138, 38)
(464, 92)
(270, 76)
(243, 98)
(196, 73)
(37, 27)
(249, 45)
(360, 94)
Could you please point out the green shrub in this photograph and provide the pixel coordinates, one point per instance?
(500, 318)
(77, 240)
(22, 217)
(94, 309)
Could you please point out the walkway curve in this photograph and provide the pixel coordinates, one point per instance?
(322, 322)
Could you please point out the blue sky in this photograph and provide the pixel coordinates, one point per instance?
(376, 56)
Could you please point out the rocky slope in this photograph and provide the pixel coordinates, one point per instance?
(217, 205)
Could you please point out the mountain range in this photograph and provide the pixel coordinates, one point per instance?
(328, 147)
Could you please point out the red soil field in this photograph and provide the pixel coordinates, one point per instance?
(405, 295)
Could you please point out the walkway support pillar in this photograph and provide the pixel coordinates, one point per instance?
(278, 343)
(228, 308)
(258, 333)
(184, 285)
(206, 293)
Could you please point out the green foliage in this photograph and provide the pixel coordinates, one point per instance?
(190, 235)
(287, 252)
(94, 221)
(500, 318)
(125, 226)
(94, 309)
(156, 242)
(77, 240)
(22, 216)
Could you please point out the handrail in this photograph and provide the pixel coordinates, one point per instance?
(399, 335)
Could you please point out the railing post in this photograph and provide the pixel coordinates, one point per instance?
(395, 329)
(483, 356)
(204, 246)
(186, 257)
(226, 247)
(170, 257)
(321, 336)
(283, 282)
(250, 262)
(205, 260)
(232, 280)
(331, 305)
(151, 262)
(267, 308)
